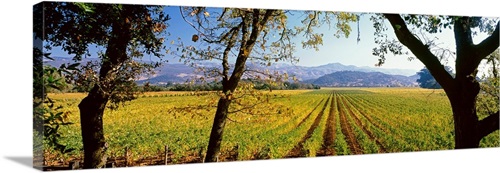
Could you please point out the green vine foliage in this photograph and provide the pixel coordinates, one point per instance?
(47, 116)
(488, 98)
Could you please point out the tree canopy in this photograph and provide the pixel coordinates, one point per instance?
(237, 36)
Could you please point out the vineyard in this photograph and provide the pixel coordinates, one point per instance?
(326, 122)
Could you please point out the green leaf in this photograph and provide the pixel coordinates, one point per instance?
(398, 27)
(85, 7)
(50, 79)
(118, 7)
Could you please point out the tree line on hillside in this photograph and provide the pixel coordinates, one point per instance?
(217, 86)
(67, 87)
(426, 80)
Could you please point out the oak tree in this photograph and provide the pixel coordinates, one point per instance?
(126, 33)
(462, 89)
(242, 39)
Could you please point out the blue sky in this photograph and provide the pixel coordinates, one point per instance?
(342, 50)
(350, 52)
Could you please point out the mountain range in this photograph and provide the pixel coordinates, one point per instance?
(320, 75)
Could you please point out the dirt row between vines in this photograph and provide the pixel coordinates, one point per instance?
(329, 133)
(358, 122)
(378, 125)
(370, 119)
(298, 150)
(347, 130)
(310, 113)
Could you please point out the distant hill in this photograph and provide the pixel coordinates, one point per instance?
(175, 73)
(363, 79)
(179, 72)
(306, 73)
(58, 61)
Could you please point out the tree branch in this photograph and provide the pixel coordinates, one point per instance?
(257, 25)
(308, 29)
(247, 44)
(467, 62)
(232, 119)
(420, 50)
(224, 35)
(259, 72)
(222, 15)
(489, 124)
(244, 108)
(192, 25)
(488, 45)
(225, 60)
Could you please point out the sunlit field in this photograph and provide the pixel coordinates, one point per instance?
(330, 121)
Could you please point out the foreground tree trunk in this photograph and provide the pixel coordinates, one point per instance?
(92, 107)
(91, 114)
(76, 27)
(463, 103)
(462, 90)
(469, 130)
(217, 130)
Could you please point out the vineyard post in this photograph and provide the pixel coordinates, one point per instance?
(126, 156)
(166, 154)
(73, 165)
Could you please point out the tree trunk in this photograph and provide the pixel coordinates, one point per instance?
(229, 84)
(92, 107)
(466, 129)
(463, 103)
(91, 115)
(217, 130)
(462, 90)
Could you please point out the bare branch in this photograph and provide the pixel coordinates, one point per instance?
(224, 36)
(232, 120)
(259, 72)
(313, 19)
(192, 25)
(245, 108)
(222, 15)
(190, 108)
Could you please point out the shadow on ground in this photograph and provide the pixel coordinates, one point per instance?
(23, 160)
